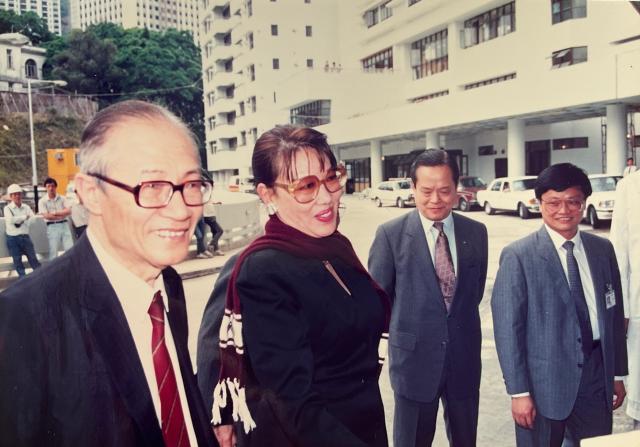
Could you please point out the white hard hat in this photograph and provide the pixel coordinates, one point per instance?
(13, 188)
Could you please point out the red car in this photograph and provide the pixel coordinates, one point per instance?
(468, 186)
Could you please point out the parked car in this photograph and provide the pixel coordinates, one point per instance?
(468, 186)
(599, 205)
(241, 184)
(510, 194)
(396, 192)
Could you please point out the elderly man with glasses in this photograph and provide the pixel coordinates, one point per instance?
(87, 353)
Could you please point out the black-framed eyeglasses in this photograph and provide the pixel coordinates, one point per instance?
(158, 193)
(305, 189)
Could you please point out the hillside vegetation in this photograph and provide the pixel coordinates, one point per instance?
(50, 130)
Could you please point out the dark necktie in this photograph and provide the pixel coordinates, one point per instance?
(444, 266)
(577, 293)
(174, 430)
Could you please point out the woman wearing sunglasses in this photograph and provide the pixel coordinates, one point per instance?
(304, 322)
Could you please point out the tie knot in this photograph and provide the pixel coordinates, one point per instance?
(156, 309)
(568, 245)
(438, 226)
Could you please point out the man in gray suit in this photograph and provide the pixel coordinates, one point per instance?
(433, 265)
(558, 321)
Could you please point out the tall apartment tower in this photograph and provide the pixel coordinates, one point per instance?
(49, 10)
(155, 15)
(249, 47)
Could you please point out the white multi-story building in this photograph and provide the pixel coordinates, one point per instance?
(49, 10)
(249, 47)
(506, 86)
(151, 14)
(19, 62)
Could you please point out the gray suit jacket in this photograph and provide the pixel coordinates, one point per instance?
(536, 327)
(421, 333)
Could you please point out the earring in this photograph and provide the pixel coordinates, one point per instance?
(271, 208)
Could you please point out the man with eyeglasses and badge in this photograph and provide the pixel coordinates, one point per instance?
(94, 345)
(558, 321)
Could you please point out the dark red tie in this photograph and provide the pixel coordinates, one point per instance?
(174, 430)
(444, 266)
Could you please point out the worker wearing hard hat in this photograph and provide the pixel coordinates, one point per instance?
(17, 217)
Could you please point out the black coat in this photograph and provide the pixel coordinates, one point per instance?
(69, 370)
(312, 352)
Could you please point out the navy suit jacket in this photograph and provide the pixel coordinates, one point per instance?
(536, 327)
(70, 374)
(421, 332)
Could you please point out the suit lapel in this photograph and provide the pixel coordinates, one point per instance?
(110, 330)
(180, 332)
(465, 254)
(596, 268)
(547, 251)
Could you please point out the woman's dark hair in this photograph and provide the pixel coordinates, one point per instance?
(435, 157)
(560, 177)
(275, 151)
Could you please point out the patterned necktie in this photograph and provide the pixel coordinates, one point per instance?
(444, 266)
(174, 430)
(577, 293)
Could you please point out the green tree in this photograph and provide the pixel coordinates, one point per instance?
(29, 23)
(163, 67)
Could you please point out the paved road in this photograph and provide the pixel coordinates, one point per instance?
(359, 221)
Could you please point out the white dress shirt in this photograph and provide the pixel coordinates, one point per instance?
(135, 297)
(585, 274)
(431, 233)
(17, 215)
(58, 203)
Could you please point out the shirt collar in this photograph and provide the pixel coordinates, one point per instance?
(428, 224)
(557, 239)
(126, 284)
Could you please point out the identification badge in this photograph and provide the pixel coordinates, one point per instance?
(610, 296)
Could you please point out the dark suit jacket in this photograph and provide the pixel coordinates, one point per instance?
(536, 327)
(70, 373)
(421, 333)
(311, 352)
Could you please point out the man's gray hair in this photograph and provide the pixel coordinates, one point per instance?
(93, 158)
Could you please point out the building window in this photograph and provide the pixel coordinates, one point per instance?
(243, 138)
(241, 107)
(250, 40)
(249, 7)
(10, 59)
(489, 25)
(254, 134)
(252, 72)
(413, 2)
(315, 113)
(275, 63)
(274, 30)
(309, 63)
(379, 61)
(31, 69)
(490, 81)
(562, 10)
(376, 15)
(568, 56)
(560, 144)
(252, 104)
(212, 123)
(308, 31)
(430, 55)
(430, 96)
(486, 150)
